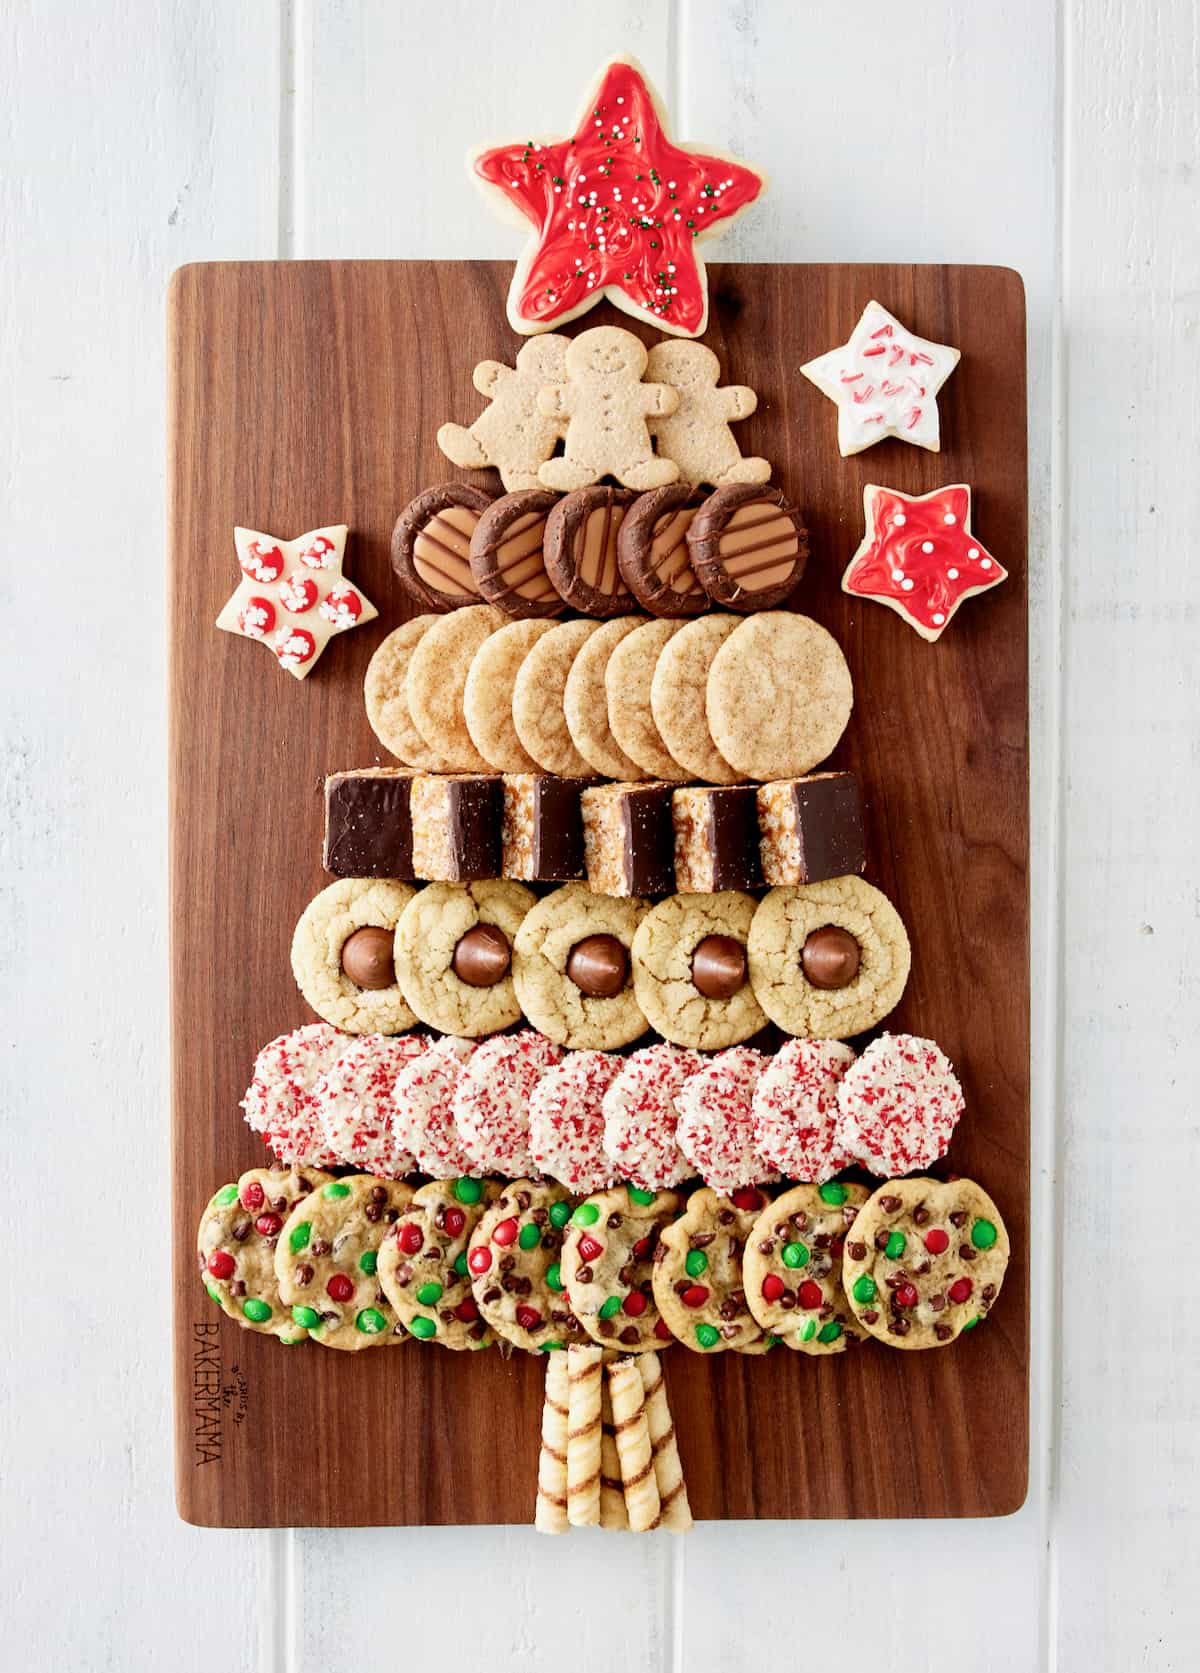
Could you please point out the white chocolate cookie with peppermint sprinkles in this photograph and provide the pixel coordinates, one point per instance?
(515, 1261)
(716, 1124)
(641, 1116)
(898, 1106)
(698, 1283)
(326, 1260)
(354, 1100)
(793, 1267)
(343, 955)
(924, 1261)
(423, 1108)
(491, 1100)
(566, 1121)
(423, 1263)
(796, 1112)
(608, 1265)
(279, 1101)
(236, 1244)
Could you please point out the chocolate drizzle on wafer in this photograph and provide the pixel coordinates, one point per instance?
(581, 550)
(507, 559)
(431, 545)
(653, 555)
(748, 546)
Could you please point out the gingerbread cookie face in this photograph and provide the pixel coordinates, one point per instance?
(606, 405)
(698, 1281)
(792, 1267)
(582, 533)
(508, 555)
(828, 960)
(431, 546)
(748, 546)
(326, 1259)
(342, 955)
(690, 970)
(697, 434)
(779, 695)
(515, 1262)
(454, 955)
(386, 694)
(653, 553)
(924, 1261)
(608, 1264)
(423, 1263)
(571, 966)
(235, 1247)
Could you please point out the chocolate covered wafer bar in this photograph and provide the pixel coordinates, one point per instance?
(431, 545)
(716, 838)
(455, 826)
(541, 835)
(811, 828)
(368, 824)
(627, 838)
(581, 550)
(748, 546)
(652, 551)
(507, 557)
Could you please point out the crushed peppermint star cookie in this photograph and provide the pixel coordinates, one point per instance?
(641, 1115)
(884, 382)
(491, 1100)
(566, 1121)
(716, 1126)
(898, 1106)
(796, 1109)
(422, 1116)
(279, 1101)
(354, 1103)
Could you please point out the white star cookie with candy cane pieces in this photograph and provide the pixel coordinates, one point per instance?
(293, 596)
(884, 382)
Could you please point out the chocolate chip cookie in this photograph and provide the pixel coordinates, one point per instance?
(423, 1263)
(326, 1260)
(514, 1258)
(698, 1282)
(607, 1265)
(235, 1247)
(792, 1267)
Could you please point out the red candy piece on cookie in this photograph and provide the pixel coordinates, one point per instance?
(221, 1264)
(505, 1233)
(257, 617)
(898, 1106)
(616, 210)
(320, 553)
(298, 594)
(343, 608)
(261, 562)
(810, 1295)
(919, 557)
(340, 1287)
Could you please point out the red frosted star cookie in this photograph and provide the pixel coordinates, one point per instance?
(919, 557)
(293, 595)
(616, 210)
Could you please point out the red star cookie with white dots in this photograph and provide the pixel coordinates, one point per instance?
(293, 596)
(616, 211)
(919, 557)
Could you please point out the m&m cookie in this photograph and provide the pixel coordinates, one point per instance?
(796, 1112)
(716, 1125)
(566, 1121)
(898, 1106)
(607, 1265)
(354, 1103)
(326, 1259)
(490, 1101)
(792, 1267)
(279, 1101)
(641, 1115)
(698, 1283)
(924, 1261)
(515, 1262)
(423, 1263)
(235, 1247)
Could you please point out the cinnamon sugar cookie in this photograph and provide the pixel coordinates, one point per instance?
(627, 682)
(537, 702)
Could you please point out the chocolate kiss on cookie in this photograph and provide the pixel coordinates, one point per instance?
(507, 557)
(581, 550)
(652, 551)
(748, 546)
(431, 545)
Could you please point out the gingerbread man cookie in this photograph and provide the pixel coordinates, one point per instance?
(514, 432)
(697, 434)
(607, 406)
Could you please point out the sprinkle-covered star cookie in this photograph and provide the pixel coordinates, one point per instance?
(293, 595)
(919, 557)
(616, 209)
(884, 382)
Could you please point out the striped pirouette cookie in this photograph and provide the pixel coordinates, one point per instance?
(668, 1471)
(583, 1436)
(632, 1433)
(550, 1511)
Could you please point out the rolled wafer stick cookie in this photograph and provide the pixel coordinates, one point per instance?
(668, 1471)
(550, 1512)
(632, 1433)
(612, 1490)
(583, 1436)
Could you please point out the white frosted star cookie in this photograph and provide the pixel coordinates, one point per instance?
(884, 382)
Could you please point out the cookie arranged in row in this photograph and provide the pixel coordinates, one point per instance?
(825, 960)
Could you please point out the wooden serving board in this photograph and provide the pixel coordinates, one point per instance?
(310, 393)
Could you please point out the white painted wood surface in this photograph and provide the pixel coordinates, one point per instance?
(1059, 139)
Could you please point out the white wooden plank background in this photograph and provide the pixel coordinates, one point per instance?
(1061, 139)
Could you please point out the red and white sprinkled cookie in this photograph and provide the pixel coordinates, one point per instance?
(422, 1113)
(279, 1101)
(566, 1121)
(641, 1114)
(354, 1103)
(716, 1126)
(491, 1100)
(796, 1109)
(898, 1106)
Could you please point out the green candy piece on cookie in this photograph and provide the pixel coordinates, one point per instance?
(808, 1330)
(215, 1294)
(368, 1261)
(306, 1316)
(707, 1335)
(335, 1189)
(553, 1277)
(225, 1197)
(696, 1263)
(428, 1294)
(829, 1332)
(636, 1194)
(832, 1193)
(983, 1234)
(299, 1235)
(460, 1263)
(551, 1347)
(896, 1245)
(529, 1237)
(370, 1321)
(560, 1213)
(585, 1215)
(971, 1323)
(293, 1341)
(864, 1289)
(258, 1312)
(610, 1307)
(468, 1190)
(795, 1254)
(421, 1327)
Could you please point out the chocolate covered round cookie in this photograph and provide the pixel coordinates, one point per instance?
(581, 550)
(507, 554)
(748, 546)
(454, 955)
(607, 1265)
(423, 1263)
(236, 1242)
(698, 1283)
(924, 1261)
(828, 960)
(690, 970)
(571, 967)
(514, 1259)
(431, 545)
(779, 695)
(326, 1259)
(792, 1267)
(342, 955)
(652, 551)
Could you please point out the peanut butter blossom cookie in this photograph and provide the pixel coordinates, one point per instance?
(716, 1126)
(279, 1102)
(796, 1109)
(793, 1267)
(515, 1262)
(491, 1100)
(698, 1282)
(423, 1107)
(423, 1263)
(828, 960)
(924, 1261)
(898, 1105)
(326, 1259)
(342, 955)
(566, 1121)
(236, 1244)
(454, 951)
(607, 1265)
(641, 1115)
(690, 971)
(572, 970)
(354, 1103)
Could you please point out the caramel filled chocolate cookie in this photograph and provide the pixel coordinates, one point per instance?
(581, 550)
(431, 545)
(748, 546)
(652, 551)
(507, 559)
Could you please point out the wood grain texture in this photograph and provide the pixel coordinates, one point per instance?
(324, 367)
